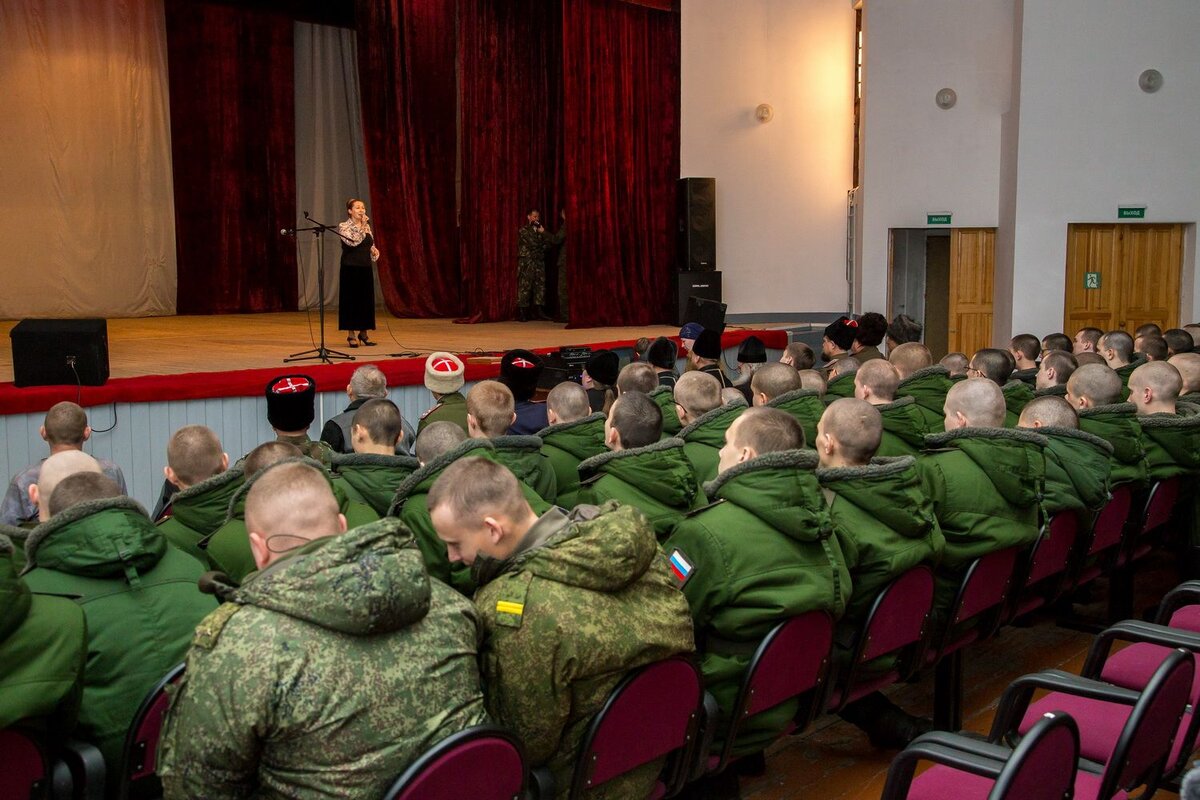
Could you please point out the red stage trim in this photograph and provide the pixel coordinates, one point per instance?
(252, 382)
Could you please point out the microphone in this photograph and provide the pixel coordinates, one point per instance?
(287, 231)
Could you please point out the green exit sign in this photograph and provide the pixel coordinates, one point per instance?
(1091, 280)
(1131, 212)
(937, 219)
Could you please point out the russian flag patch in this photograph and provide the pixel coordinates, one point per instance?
(681, 567)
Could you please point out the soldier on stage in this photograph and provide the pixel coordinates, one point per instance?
(532, 241)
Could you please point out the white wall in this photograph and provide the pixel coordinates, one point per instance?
(1089, 138)
(781, 186)
(918, 158)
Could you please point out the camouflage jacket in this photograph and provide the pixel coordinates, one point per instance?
(326, 675)
(531, 244)
(587, 600)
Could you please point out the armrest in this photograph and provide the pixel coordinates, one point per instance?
(710, 719)
(87, 768)
(900, 773)
(541, 784)
(967, 744)
(1015, 700)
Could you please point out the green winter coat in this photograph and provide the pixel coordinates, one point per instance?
(839, 387)
(928, 387)
(409, 504)
(806, 406)
(885, 525)
(1052, 391)
(1124, 372)
(140, 599)
(904, 428)
(1171, 442)
(986, 487)
(1077, 470)
(43, 643)
(523, 456)
(326, 675)
(228, 548)
(198, 511)
(565, 618)
(1025, 376)
(1118, 425)
(759, 553)
(372, 478)
(1017, 395)
(657, 480)
(566, 445)
(665, 397)
(704, 438)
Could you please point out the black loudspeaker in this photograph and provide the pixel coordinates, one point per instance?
(697, 224)
(43, 351)
(694, 290)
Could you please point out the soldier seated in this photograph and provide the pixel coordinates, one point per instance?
(1178, 341)
(1025, 349)
(444, 380)
(345, 633)
(641, 377)
(922, 380)
(291, 409)
(366, 383)
(1056, 369)
(491, 411)
(841, 379)
(1116, 347)
(570, 604)
(1151, 348)
(661, 356)
(704, 419)
(652, 474)
(904, 427)
(1094, 391)
(1057, 341)
(574, 435)
(1188, 365)
(199, 469)
(1077, 462)
(780, 386)
(1087, 340)
(520, 371)
(373, 471)
(798, 355)
(997, 366)
(1170, 430)
(956, 364)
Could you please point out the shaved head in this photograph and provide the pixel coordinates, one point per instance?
(974, 404)
(1188, 365)
(637, 377)
(876, 381)
(849, 433)
(439, 438)
(268, 453)
(1048, 412)
(799, 355)
(54, 470)
(772, 380)
(289, 506)
(194, 455)
(66, 425)
(910, 357)
(1094, 385)
(491, 409)
(994, 364)
(1154, 387)
(569, 402)
(843, 366)
(813, 381)
(1058, 341)
(1056, 369)
(698, 393)
(956, 363)
(1117, 348)
(82, 487)
(758, 431)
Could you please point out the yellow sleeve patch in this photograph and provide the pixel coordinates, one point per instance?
(209, 629)
(508, 607)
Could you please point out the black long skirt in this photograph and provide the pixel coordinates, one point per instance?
(356, 298)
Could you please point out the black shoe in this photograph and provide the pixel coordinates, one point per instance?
(888, 726)
(364, 341)
(351, 341)
(539, 312)
(522, 314)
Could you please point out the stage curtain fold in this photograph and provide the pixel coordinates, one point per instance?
(621, 135)
(511, 83)
(406, 58)
(85, 160)
(233, 140)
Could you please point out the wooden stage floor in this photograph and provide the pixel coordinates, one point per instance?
(182, 344)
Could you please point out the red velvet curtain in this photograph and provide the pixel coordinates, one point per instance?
(406, 62)
(233, 147)
(511, 84)
(621, 134)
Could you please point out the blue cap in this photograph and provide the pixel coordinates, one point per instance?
(691, 330)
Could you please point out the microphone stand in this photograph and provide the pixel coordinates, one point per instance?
(321, 353)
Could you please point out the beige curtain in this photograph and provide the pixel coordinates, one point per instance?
(85, 160)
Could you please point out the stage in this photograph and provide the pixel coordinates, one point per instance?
(200, 357)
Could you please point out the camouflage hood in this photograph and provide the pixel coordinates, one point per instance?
(582, 438)
(661, 470)
(421, 480)
(1012, 459)
(14, 594)
(374, 476)
(888, 489)
(1116, 424)
(604, 549)
(203, 507)
(780, 489)
(97, 539)
(366, 581)
(710, 428)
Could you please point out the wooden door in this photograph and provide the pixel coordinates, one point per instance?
(1138, 270)
(972, 268)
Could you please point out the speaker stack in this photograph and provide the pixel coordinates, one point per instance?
(697, 285)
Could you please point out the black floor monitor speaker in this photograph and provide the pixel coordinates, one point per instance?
(698, 299)
(44, 350)
(697, 224)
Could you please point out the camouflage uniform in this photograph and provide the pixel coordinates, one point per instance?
(584, 600)
(531, 266)
(318, 450)
(325, 675)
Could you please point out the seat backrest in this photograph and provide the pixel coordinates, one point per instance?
(790, 661)
(1052, 553)
(1145, 741)
(651, 713)
(1043, 764)
(483, 762)
(1110, 524)
(24, 768)
(140, 756)
(897, 619)
(985, 585)
(1159, 505)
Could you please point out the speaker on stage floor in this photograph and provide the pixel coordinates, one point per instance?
(43, 351)
(697, 224)
(698, 299)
